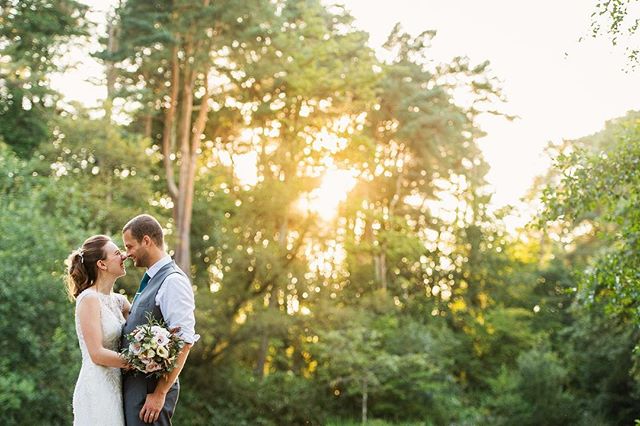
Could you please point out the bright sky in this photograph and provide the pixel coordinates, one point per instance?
(558, 86)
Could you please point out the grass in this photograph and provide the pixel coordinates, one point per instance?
(372, 422)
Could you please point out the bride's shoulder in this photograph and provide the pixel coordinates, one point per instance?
(87, 295)
(121, 298)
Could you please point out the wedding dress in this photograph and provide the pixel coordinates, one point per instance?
(97, 398)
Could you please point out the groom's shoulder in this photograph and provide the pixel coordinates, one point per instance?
(176, 284)
(178, 270)
(174, 273)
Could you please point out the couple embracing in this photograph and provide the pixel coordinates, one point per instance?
(108, 391)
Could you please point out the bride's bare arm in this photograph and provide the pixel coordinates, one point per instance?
(89, 317)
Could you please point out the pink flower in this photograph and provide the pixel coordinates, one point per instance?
(160, 339)
(139, 335)
(135, 348)
(152, 366)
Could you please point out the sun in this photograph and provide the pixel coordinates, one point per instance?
(334, 188)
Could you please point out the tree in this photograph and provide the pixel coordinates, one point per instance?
(174, 56)
(535, 394)
(612, 19)
(420, 140)
(603, 371)
(33, 37)
(597, 190)
(286, 103)
(40, 364)
(392, 365)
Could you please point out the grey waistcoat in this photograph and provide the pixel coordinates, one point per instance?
(135, 386)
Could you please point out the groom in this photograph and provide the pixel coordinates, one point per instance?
(166, 293)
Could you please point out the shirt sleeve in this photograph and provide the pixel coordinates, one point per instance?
(177, 304)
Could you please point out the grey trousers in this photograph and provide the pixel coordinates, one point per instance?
(134, 393)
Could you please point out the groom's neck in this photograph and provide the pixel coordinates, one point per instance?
(154, 256)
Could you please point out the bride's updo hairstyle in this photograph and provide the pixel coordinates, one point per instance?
(83, 268)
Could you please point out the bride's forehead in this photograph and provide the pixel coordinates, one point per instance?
(111, 247)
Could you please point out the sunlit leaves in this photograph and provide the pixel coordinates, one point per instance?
(598, 184)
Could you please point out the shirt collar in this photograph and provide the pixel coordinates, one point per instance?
(153, 269)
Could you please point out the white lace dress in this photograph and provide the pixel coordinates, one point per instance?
(97, 398)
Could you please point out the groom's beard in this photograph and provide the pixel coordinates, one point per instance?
(142, 261)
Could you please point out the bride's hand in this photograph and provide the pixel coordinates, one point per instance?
(127, 366)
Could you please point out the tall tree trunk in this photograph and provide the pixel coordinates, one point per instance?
(264, 342)
(365, 397)
(112, 47)
(183, 78)
(168, 133)
(109, 200)
(381, 259)
(369, 238)
(148, 125)
(381, 267)
(189, 187)
(184, 138)
(273, 304)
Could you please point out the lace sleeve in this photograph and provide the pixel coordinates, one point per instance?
(122, 301)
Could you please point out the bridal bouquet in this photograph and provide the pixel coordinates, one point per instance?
(153, 349)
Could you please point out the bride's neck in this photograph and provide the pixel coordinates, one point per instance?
(104, 285)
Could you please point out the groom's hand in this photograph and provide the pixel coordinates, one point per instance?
(152, 407)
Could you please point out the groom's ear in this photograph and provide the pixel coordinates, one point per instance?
(146, 240)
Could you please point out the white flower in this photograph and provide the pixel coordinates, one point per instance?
(162, 352)
(159, 331)
(150, 354)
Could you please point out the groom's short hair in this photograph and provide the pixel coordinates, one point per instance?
(145, 224)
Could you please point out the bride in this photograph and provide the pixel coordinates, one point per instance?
(100, 315)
